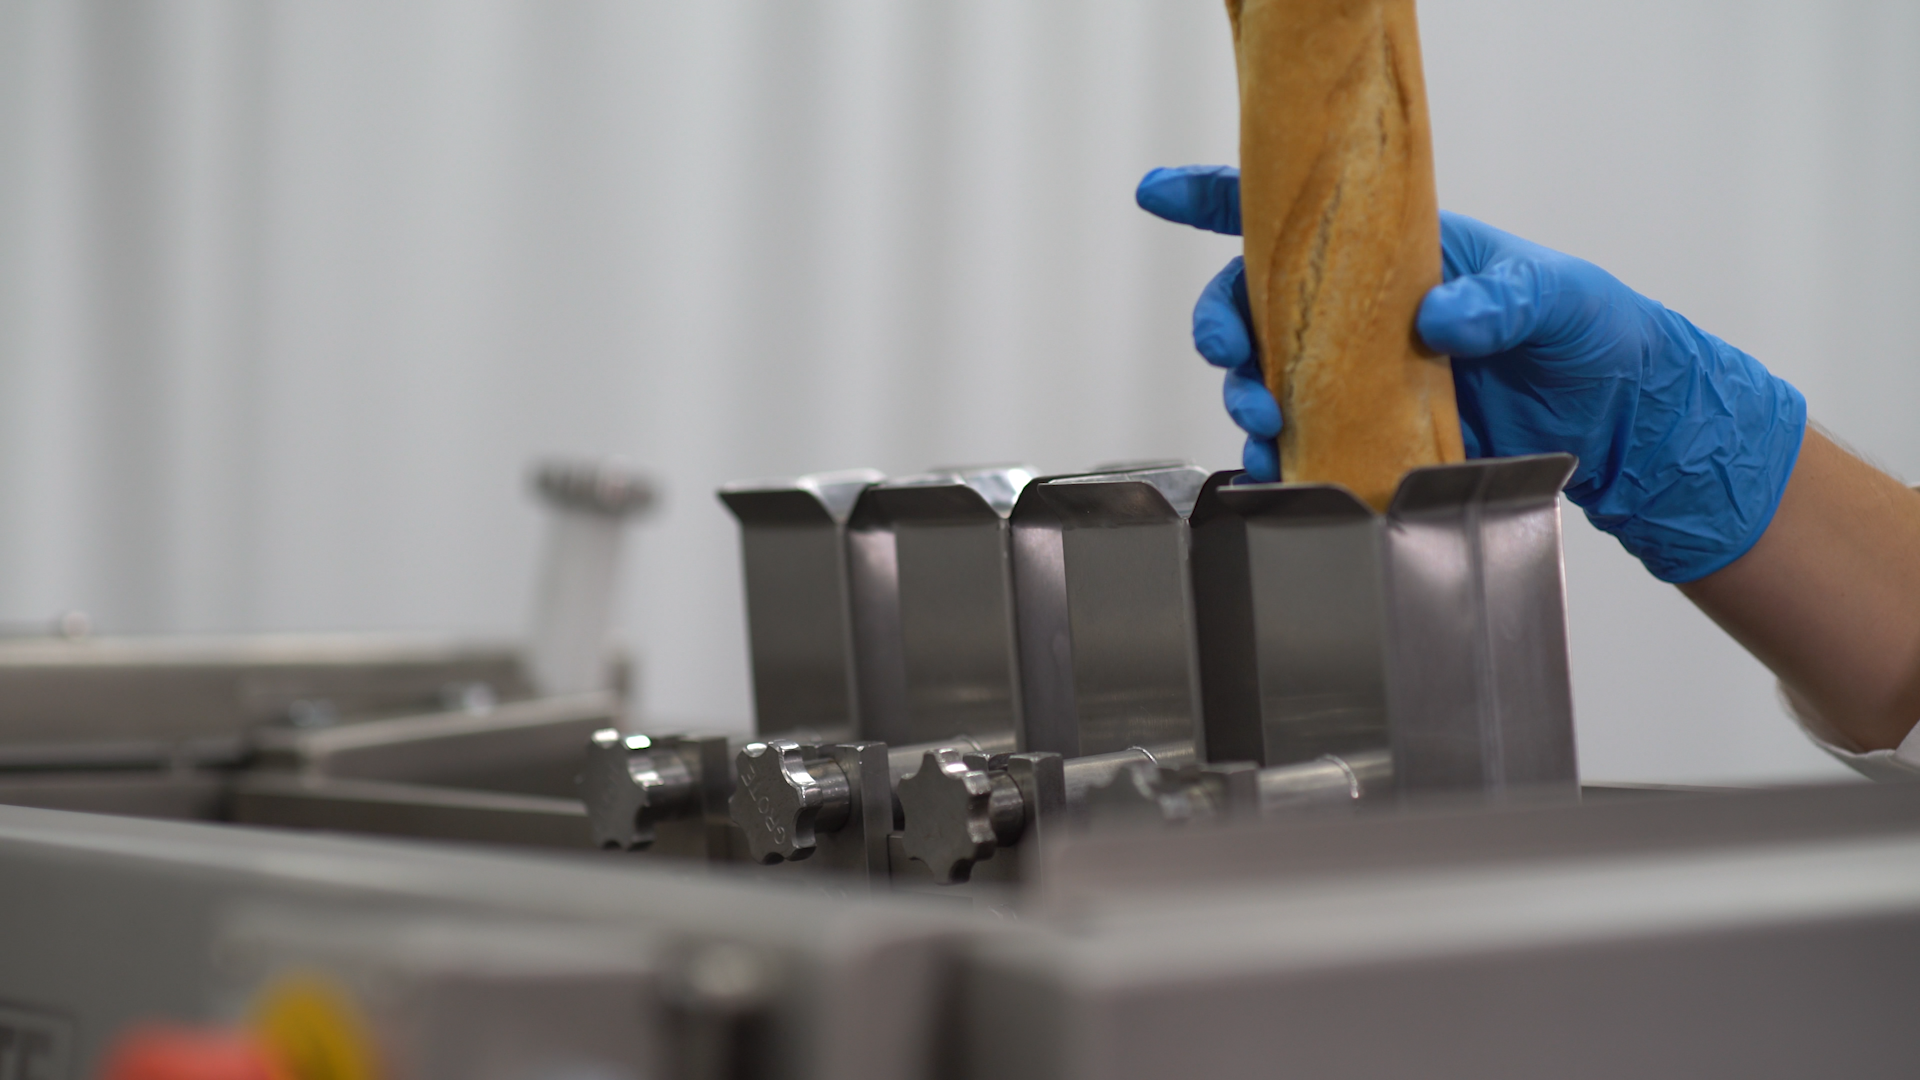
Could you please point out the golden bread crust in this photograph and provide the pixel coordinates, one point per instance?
(1342, 234)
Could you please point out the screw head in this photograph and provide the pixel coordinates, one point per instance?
(946, 806)
(775, 800)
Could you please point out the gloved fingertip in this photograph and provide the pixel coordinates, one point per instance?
(1219, 329)
(1161, 194)
(1221, 342)
(1148, 191)
(1261, 459)
(1476, 315)
(1437, 319)
(1251, 405)
(1203, 196)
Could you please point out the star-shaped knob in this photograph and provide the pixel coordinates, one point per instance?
(613, 799)
(775, 800)
(947, 807)
(629, 784)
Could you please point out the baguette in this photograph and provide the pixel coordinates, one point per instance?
(1342, 234)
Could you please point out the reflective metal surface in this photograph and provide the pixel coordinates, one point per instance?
(1174, 795)
(667, 793)
(933, 604)
(528, 747)
(131, 922)
(1043, 919)
(1480, 688)
(956, 811)
(1193, 793)
(799, 616)
(1758, 934)
(791, 800)
(1767, 933)
(1290, 617)
(1359, 775)
(1105, 611)
(632, 784)
(1439, 627)
(422, 811)
(777, 800)
(501, 775)
(88, 695)
(957, 808)
(464, 997)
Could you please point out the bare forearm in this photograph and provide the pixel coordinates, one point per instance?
(1829, 598)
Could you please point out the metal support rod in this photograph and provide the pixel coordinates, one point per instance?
(1083, 774)
(1330, 778)
(1181, 794)
(589, 505)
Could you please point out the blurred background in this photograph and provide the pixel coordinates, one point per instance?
(290, 294)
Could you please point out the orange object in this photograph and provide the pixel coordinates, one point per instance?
(177, 1053)
(1342, 238)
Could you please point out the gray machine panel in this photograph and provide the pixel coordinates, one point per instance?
(109, 921)
(1767, 934)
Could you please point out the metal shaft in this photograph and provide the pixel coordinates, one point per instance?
(1007, 812)
(589, 504)
(1186, 793)
(1098, 770)
(1333, 778)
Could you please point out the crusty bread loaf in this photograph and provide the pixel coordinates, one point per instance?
(1342, 237)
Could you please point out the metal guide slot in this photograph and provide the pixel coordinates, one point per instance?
(1105, 610)
(793, 554)
(1438, 628)
(932, 587)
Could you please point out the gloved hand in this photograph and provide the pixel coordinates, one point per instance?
(1685, 442)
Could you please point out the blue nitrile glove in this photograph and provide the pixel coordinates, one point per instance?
(1685, 442)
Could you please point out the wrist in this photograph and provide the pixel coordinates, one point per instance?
(1709, 447)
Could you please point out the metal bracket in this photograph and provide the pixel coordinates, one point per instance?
(793, 553)
(860, 847)
(1105, 611)
(932, 591)
(1438, 627)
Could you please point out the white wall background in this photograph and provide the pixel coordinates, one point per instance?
(290, 294)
